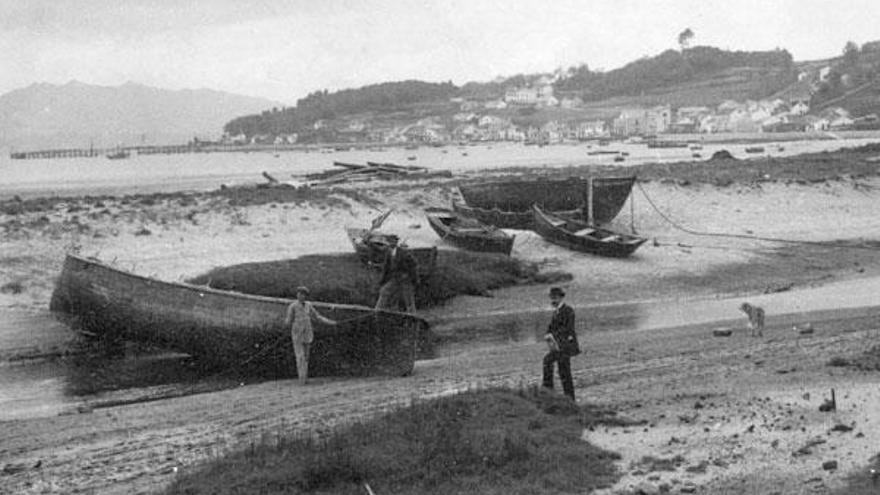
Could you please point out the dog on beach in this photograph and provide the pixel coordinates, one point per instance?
(756, 318)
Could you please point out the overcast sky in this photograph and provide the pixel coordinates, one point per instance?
(284, 49)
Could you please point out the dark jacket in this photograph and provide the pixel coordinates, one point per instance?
(401, 267)
(562, 329)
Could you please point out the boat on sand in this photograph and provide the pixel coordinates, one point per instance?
(468, 233)
(226, 329)
(608, 195)
(372, 245)
(581, 236)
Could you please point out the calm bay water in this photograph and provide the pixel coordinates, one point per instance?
(205, 171)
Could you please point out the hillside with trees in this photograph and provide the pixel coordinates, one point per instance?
(322, 105)
(773, 70)
(853, 81)
(699, 75)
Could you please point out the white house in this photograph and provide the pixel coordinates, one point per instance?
(491, 121)
(495, 105)
(800, 108)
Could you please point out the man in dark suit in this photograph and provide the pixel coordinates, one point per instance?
(562, 341)
(400, 276)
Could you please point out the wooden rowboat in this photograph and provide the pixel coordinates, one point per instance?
(468, 233)
(230, 329)
(581, 236)
(494, 216)
(608, 195)
(372, 245)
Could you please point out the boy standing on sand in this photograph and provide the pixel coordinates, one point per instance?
(562, 340)
(299, 319)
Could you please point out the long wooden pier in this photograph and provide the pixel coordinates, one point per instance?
(174, 149)
(100, 152)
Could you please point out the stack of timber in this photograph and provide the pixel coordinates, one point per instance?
(353, 172)
(229, 329)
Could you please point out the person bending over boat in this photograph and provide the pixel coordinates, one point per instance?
(299, 319)
(562, 340)
(400, 276)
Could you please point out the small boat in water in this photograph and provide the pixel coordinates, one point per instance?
(666, 144)
(227, 329)
(371, 247)
(468, 232)
(119, 154)
(581, 236)
(755, 149)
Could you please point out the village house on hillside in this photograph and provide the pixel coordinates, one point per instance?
(643, 121)
(540, 94)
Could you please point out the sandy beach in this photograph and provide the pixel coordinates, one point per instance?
(734, 409)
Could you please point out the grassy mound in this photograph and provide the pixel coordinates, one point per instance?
(486, 442)
(342, 278)
(869, 360)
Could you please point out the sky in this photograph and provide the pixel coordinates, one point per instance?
(284, 49)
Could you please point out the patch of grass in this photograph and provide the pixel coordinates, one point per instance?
(869, 360)
(14, 287)
(496, 441)
(342, 278)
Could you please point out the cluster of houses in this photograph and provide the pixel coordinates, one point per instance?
(488, 121)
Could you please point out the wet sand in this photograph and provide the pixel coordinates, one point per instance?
(650, 365)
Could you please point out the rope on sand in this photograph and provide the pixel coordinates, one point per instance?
(746, 236)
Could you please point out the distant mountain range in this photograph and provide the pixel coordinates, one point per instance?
(76, 114)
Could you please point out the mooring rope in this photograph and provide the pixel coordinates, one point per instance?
(746, 236)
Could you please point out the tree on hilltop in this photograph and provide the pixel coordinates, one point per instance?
(684, 39)
(850, 53)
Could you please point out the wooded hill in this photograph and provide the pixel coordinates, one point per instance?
(775, 69)
(322, 105)
(694, 76)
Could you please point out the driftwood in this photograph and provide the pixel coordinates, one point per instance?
(352, 172)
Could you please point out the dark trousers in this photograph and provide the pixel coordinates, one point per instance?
(563, 361)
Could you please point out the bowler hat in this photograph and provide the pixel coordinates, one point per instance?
(557, 291)
(303, 289)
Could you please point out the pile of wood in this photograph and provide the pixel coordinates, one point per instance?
(353, 172)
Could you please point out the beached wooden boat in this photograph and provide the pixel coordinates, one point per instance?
(468, 233)
(493, 216)
(582, 236)
(230, 329)
(608, 195)
(372, 245)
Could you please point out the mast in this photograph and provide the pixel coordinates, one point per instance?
(590, 200)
